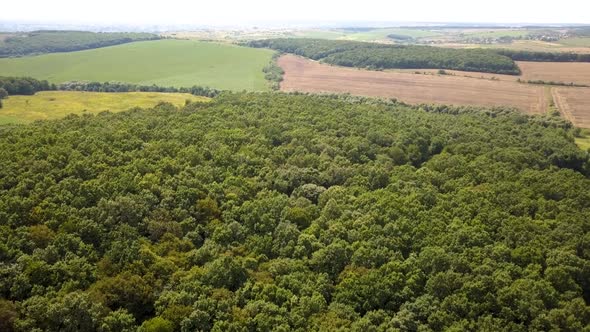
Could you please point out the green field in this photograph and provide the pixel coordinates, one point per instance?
(584, 140)
(381, 34)
(321, 34)
(57, 104)
(175, 63)
(497, 33)
(576, 42)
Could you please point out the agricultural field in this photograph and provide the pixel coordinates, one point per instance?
(523, 45)
(565, 72)
(178, 63)
(309, 76)
(381, 34)
(47, 105)
(495, 33)
(576, 42)
(574, 104)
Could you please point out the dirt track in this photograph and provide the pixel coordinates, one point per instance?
(310, 76)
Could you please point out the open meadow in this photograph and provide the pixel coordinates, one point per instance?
(309, 76)
(47, 105)
(178, 63)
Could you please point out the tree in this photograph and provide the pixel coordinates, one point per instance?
(157, 324)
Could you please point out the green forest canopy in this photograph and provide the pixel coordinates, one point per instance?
(294, 212)
(386, 56)
(49, 41)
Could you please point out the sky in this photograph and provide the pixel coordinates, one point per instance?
(235, 12)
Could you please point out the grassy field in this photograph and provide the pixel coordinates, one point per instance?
(320, 34)
(584, 140)
(163, 62)
(381, 34)
(496, 33)
(576, 42)
(57, 104)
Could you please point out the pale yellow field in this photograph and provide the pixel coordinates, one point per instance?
(57, 104)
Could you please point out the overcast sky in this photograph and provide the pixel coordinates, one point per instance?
(235, 12)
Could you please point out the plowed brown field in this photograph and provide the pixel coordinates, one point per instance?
(574, 104)
(309, 76)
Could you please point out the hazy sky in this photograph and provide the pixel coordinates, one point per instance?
(235, 12)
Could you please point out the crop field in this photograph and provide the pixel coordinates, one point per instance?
(381, 34)
(309, 76)
(566, 72)
(523, 45)
(576, 42)
(496, 33)
(178, 63)
(574, 104)
(57, 104)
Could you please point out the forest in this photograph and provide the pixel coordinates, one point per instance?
(518, 55)
(293, 212)
(39, 42)
(23, 86)
(386, 56)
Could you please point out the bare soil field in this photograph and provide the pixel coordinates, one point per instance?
(574, 104)
(309, 76)
(566, 72)
(470, 74)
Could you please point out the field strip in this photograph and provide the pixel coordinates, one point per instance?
(573, 104)
(309, 76)
(562, 105)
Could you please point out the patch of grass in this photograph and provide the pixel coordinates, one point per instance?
(576, 42)
(583, 139)
(178, 63)
(57, 104)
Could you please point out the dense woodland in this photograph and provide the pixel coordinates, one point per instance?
(23, 86)
(38, 42)
(261, 212)
(518, 55)
(385, 56)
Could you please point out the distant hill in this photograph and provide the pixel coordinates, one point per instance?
(39, 42)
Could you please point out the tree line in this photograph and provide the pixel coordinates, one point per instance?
(273, 73)
(29, 86)
(38, 42)
(269, 211)
(518, 55)
(385, 56)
